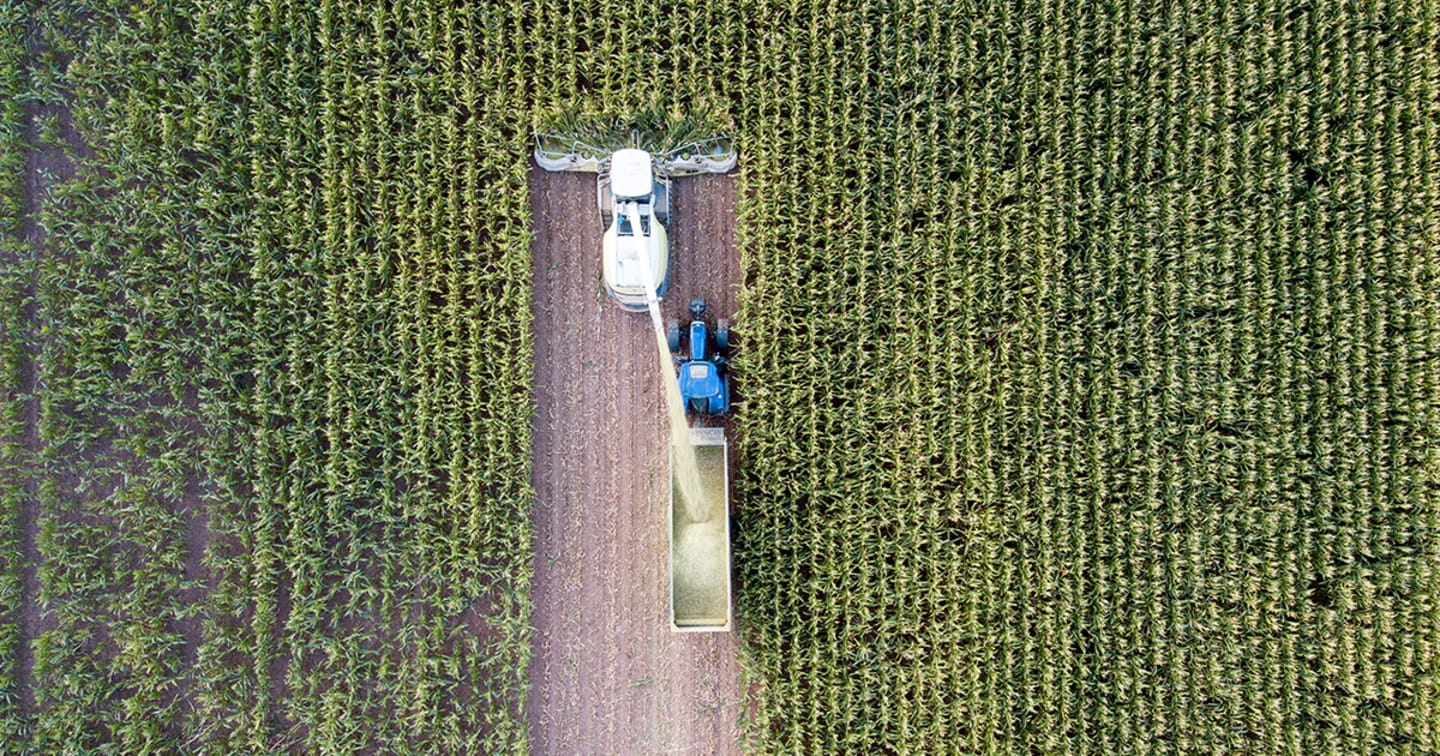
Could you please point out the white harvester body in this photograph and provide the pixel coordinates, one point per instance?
(621, 265)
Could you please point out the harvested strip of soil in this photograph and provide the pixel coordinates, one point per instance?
(608, 675)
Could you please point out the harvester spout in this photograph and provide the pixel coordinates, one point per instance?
(647, 272)
(683, 470)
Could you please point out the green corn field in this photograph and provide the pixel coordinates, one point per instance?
(1088, 380)
(281, 316)
(1106, 421)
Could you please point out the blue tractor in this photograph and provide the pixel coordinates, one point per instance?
(701, 368)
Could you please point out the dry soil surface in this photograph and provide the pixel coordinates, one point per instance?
(608, 676)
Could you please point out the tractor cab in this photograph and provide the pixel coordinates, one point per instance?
(701, 369)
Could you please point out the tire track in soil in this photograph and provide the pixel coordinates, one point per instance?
(32, 617)
(46, 165)
(607, 675)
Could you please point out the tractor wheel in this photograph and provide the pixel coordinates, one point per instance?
(729, 393)
(672, 338)
(722, 335)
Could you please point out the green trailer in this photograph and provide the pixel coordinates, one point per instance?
(700, 598)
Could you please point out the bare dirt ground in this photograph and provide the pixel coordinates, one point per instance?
(608, 676)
